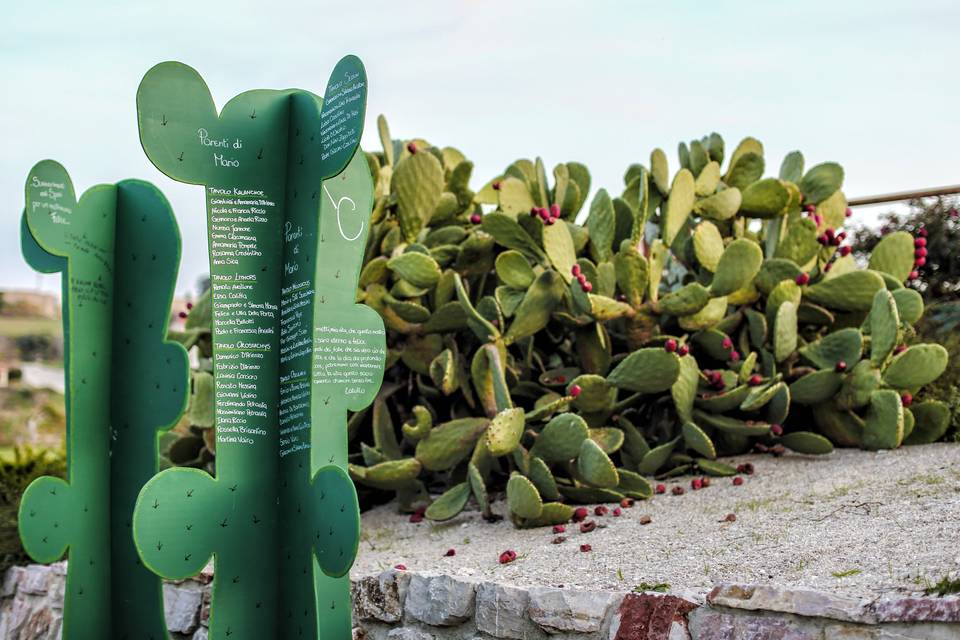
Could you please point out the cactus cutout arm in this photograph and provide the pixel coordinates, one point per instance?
(111, 348)
(261, 161)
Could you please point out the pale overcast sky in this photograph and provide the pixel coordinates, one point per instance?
(870, 84)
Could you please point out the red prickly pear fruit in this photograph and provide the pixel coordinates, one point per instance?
(575, 270)
(189, 306)
(670, 345)
(587, 287)
(677, 491)
(731, 517)
(560, 379)
(776, 429)
(920, 262)
(755, 380)
(416, 517)
(696, 484)
(914, 275)
(400, 567)
(907, 399)
(411, 147)
(617, 512)
(921, 252)
(182, 314)
(829, 233)
(508, 556)
(810, 208)
(534, 212)
(822, 239)
(580, 514)
(840, 367)
(549, 221)
(737, 481)
(559, 528)
(683, 350)
(900, 348)
(802, 279)
(920, 242)
(922, 233)
(661, 489)
(543, 213)
(554, 210)
(845, 250)
(588, 526)
(842, 236)
(746, 467)
(450, 553)
(600, 510)
(581, 278)
(735, 356)
(559, 540)
(727, 343)
(575, 390)
(475, 218)
(585, 548)
(496, 185)
(848, 212)
(626, 503)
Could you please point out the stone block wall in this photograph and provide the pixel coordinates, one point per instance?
(402, 605)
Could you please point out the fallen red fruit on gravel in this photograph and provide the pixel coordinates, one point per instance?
(450, 553)
(661, 488)
(585, 548)
(400, 567)
(588, 526)
(737, 481)
(580, 514)
(508, 556)
(559, 528)
(600, 510)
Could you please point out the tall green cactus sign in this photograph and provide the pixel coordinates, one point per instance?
(118, 248)
(289, 197)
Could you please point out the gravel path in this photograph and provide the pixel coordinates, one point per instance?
(852, 522)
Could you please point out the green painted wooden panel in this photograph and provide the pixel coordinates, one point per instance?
(118, 249)
(289, 196)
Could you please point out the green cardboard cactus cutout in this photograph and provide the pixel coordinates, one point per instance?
(118, 248)
(288, 203)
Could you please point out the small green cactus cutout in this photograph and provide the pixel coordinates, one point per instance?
(289, 197)
(118, 248)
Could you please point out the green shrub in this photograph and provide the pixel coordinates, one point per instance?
(17, 471)
(564, 352)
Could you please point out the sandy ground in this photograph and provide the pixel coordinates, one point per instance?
(852, 522)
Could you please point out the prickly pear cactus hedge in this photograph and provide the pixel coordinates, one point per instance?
(566, 351)
(288, 206)
(118, 249)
